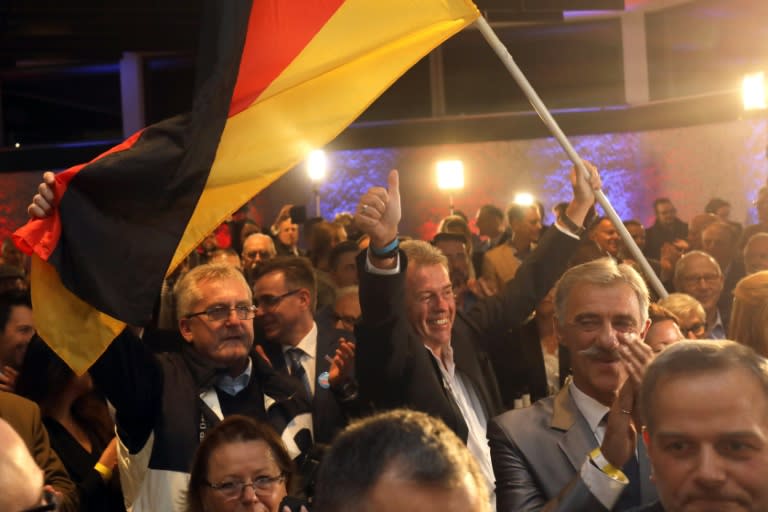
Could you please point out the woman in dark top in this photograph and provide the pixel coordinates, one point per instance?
(79, 426)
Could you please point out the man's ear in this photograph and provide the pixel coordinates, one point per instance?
(306, 298)
(644, 330)
(559, 335)
(185, 330)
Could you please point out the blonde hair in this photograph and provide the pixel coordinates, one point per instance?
(423, 253)
(749, 316)
(682, 305)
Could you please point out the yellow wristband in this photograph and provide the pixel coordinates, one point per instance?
(599, 460)
(104, 471)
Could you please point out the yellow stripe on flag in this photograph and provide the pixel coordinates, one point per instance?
(357, 55)
(82, 333)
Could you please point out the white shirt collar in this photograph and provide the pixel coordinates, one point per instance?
(447, 359)
(234, 385)
(308, 343)
(592, 410)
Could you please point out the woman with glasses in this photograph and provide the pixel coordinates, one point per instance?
(241, 465)
(749, 316)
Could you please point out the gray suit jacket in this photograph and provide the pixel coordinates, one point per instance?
(537, 453)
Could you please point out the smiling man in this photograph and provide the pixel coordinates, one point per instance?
(414, 349)
(706, 409)
(285, 294)
(578, 451)
(165, 403)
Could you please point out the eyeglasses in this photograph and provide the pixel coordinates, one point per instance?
(233, 489)
(264, 255)
(697, 329)
(221, 312)
(270, 302)
(707, 278)
(347, 321)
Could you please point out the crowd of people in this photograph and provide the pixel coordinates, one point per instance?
(340, 365)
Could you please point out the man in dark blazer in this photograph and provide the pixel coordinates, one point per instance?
(578, 451)
(285, 297)
(414, 350)
(24, 417)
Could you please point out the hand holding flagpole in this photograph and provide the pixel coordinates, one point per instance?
(498, 47)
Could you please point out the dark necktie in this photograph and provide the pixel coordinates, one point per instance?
(631, 496)
(297, 370)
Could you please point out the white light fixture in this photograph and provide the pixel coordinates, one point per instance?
(523, 199)
(317, 165)
(753, 91)
(450, 175)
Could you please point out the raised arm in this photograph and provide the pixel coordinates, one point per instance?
(541, 270)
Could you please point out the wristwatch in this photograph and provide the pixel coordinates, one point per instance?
(572, 227)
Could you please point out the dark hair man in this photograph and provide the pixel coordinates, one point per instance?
(705, 405)
(17, 326)
(285, 297)
(501, 263)
(667, 228)
(400, 460)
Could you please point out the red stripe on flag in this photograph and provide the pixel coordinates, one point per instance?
(277, 32)
(42, 235)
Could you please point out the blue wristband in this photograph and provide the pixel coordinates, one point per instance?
(387, 251)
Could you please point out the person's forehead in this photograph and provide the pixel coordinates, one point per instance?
(758, 246)
(710, 402)
(255, 243)
(231, 457)
(613, 299)
(665, 331)
(270, 281)
(215, 289)
(450, 246)
(697, 264)
(424, 277)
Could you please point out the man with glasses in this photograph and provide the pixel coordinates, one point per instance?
(166, 403)
(698, 274)
(667, 228)
(311, 353)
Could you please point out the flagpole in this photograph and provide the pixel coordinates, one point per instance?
(501, 50)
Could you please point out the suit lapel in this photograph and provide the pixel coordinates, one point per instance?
(577, 439)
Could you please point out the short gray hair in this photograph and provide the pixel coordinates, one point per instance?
(601, 272)
(682, 304)
(682, 265)
(698, 357)
(268, 239)
(187, 290)
(423, 253)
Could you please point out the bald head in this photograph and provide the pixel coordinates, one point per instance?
(21, 481)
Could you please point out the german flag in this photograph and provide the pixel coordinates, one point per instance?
(283, 77)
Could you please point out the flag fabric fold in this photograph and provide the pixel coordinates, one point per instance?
(287, 77)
